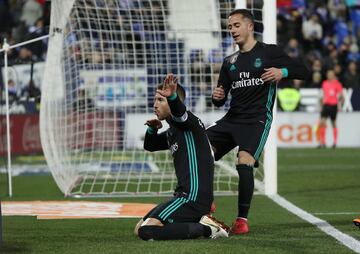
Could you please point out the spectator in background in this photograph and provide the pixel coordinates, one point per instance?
(293, 49)
(294, 25)
(289, 96)
(335, 7)
(312, 32)
(6, 19)
(354, 54)
(282, 31)
(12, 89)
(36, 30)
(331, 59)
(339, 72)
(31, 92)
(332, 100)
(32, 11)
(25, 56)
(326, 19)
(351, 76)
(317, 75)
(343, 51)
(315, 81)
(341, 30)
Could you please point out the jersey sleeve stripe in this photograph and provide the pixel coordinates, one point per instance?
(190, 165)
(196, 180)
(193, 165)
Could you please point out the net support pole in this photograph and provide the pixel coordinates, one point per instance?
(270, 153)
(1, 231)
(8, 139)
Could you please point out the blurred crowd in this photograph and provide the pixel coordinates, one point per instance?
(22, 20)
(325, 34)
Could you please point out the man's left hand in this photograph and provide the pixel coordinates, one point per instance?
(169, 86)
(272, 75)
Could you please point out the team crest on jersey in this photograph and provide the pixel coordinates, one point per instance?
(257, 63)
(233, 58)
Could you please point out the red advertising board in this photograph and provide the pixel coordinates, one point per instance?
(92, 130)
(24, 134)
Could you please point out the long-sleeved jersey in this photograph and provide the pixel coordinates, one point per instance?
(190, 148)
(252, 99)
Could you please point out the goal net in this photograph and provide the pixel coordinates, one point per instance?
(105, 58)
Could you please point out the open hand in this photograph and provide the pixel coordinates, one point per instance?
(169, 86)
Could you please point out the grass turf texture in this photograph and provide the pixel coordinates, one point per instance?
(315, 180)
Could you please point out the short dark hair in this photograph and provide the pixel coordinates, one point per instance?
(179, 90)
(245, 13)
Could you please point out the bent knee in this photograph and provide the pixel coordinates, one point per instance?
(144, 228)
(146, 233)
(149, 232)
(245, 158)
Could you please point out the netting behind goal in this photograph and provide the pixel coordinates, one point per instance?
(105, 58)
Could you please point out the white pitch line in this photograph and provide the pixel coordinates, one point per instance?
(338, 213)
(324, 226)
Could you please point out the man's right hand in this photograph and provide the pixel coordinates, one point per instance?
(218, 93)
(154, 123)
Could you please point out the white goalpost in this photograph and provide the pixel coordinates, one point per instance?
(104, 60)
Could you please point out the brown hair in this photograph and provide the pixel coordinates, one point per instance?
(245, 13)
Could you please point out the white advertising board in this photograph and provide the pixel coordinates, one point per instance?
(292, 129)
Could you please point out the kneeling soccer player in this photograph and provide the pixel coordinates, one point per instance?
(185, 215)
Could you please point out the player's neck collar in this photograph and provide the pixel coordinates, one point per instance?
(248, 48)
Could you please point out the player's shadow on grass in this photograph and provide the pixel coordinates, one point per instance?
(13, 248)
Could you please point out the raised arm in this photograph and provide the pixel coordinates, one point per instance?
(180, 117)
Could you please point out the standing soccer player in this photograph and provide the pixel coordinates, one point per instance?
(332, 100)
(250, 75)
(184, 216)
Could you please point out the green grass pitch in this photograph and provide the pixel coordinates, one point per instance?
(322, 182)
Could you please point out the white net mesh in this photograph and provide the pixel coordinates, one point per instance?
(105, 59)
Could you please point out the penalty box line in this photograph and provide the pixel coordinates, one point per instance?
(323, 225)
